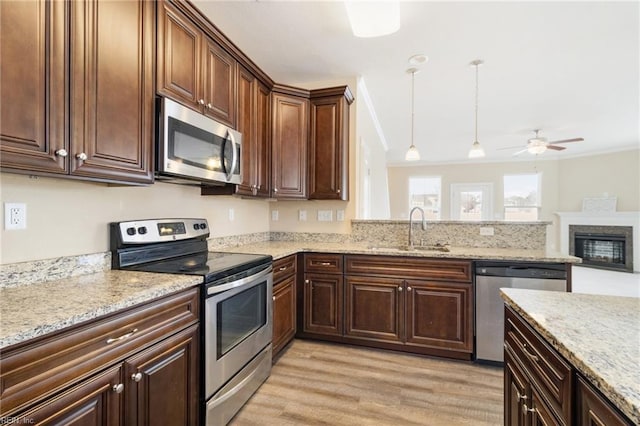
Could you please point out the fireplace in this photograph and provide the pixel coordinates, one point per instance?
(605, 247)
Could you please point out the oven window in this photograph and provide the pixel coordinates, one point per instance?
(240, 316)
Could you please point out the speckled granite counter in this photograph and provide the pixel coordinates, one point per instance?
(279, 249)
(37, 309)
(599, 335)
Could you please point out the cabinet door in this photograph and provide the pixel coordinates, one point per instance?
(592, 409)
(439, 315)
(289, 147)
(329, 149)
(162, 382)
(374, 308)
(515, 392)
(284, 313)
(179, 54)
(219, 77)
(95, 401)
(323, 301)
(539, 410)
(263, 141)
(247, 126)
(32, 85)
(112, 97)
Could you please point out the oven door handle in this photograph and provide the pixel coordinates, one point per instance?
(235, 284)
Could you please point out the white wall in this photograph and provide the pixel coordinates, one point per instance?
(67, 217)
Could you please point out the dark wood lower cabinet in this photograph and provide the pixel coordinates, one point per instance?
(92, 402)
(161, 383)
(323, 300)
(593, 409)
(284, 313)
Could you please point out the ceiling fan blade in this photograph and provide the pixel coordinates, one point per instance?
(509, 147)
(567, 140)
(520, 152)
(556, 148)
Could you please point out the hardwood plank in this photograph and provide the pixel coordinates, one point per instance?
(319, 383)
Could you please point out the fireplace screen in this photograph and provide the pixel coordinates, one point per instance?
(607, 247)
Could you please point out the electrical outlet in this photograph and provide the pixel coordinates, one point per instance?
(486, 230)
(15, 216)
(231, 215)
(325, 215)
(274, 215)
(302, 215)
(340, 215)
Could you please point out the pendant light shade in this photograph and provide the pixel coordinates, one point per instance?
(412, 154)
(476, 150)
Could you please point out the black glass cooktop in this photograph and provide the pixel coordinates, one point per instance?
(210, 265)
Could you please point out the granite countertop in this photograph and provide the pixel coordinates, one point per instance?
(599, 335)
(33, 310)
(280, 249)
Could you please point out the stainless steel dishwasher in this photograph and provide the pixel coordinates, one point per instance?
(490, 277)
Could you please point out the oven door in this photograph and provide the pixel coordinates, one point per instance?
(238, 326)
(196, 146)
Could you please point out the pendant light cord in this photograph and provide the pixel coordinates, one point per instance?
(413, 77)
(476, 139)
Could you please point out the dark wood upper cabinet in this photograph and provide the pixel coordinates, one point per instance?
(112, 95)
(254, 102)
(329, 144)
(289, 146)
(52, 50)
(32, 85)
(193, 69)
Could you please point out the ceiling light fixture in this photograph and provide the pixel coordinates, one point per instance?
(476, 150)
(412, 153)
(373, 18)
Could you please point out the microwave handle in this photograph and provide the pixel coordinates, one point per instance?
(234, 157)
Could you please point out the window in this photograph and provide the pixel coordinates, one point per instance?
(424, 192)
(521, 197)
(471, 201)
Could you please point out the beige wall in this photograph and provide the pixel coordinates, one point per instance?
(473, 173)
(611, 175)
(66, 217)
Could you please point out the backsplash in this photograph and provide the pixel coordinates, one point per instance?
(519, 235)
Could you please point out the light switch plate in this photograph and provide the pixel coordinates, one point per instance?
(340, 215)
(274, 215)
(302, 215)
(231, 215)
(325, 215)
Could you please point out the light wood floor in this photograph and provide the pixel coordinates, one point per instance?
(316, 383)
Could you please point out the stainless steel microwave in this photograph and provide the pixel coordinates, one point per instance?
(193, 147)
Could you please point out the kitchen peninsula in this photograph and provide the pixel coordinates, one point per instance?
(598, 342)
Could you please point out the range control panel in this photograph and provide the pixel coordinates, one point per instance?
(151, 231)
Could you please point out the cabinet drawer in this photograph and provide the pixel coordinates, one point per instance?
(284, 268)
(548, 370)
(46, 365)
(409, 267)
(323, 263)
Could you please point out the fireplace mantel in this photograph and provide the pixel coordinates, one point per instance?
(602, 219)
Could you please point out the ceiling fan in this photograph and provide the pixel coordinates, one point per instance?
(539, 144)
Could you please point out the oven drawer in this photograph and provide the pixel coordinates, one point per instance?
(284, 268)
(323, 263)
(46, 365)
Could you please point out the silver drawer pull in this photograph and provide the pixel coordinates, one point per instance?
(123, 337)
(325, 263)
(529, 354)
(528, 410)
(282, 268)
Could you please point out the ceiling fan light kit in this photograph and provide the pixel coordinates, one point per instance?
(476, 150)
(538, 144)
(412, 154)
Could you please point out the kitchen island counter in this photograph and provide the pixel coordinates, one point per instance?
(280, 249)
(34, 310)
(598, 335)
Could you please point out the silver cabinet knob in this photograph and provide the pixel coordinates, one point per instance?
(409, 288)
(399, 288)
(62, 152)
(274, 298)
(82, 156)
(118, 388)
(275, 189)
(136, 377)
(338, 191)
(201, 101)
(209, 106)
(307, 281)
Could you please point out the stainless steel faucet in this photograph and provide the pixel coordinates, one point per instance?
(424, 225)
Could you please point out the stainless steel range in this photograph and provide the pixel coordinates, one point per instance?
(237, 298)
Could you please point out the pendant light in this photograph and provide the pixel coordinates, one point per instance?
(476, 150)
(412, 154)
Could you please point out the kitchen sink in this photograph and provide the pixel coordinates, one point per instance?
(438, 247)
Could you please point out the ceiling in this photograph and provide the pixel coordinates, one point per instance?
(568, 68)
